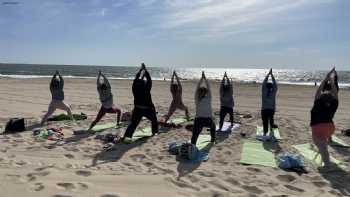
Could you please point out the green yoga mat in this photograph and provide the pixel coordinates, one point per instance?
(255, 153)
(276, 132)
(338, 142)
(310, 152)
(63, 117)
(110, 125)
(177, 121)
(203, 142)
(139, 134)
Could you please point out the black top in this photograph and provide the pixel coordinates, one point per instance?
(142, 91)
(324, 109)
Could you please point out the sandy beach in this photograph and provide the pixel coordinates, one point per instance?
(78, 165)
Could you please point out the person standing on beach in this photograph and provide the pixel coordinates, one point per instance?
(322, 113)
(226, 100)
(106, 98)
(204, 115)
(177, 103)
(56, 88)
(144, 106)
(268, 107)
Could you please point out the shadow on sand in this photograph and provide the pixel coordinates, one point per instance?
(339, 180)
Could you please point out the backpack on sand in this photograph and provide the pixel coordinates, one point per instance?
(188, 151)
(15, 125)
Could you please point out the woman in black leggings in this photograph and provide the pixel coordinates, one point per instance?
(144, 106)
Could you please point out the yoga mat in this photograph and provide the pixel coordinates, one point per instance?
(139, 134)
(63, 117)
(310, 152)
(178, 121)
(338, 142)
(203, 142)
(227, 128)
(110, 125)
(276, 132)
(254, 153)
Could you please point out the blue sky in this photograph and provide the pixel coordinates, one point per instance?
(312, 34)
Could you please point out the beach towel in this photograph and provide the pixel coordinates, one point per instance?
(310, 153)
(338, 142)
(53, 135)
(227, 128)
(276, 132)
(178, 121)
(257, 153)
(62, 117)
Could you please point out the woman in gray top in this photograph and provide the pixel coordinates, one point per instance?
(56, 88)
(268, 102)
(106, 98)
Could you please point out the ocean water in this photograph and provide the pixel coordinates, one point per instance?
(286, 76)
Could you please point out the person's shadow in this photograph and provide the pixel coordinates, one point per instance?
(339, 179)
(116, 152)
(186, 167)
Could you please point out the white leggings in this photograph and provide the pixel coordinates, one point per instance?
(56, 104)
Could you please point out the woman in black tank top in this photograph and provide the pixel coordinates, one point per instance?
(322, 113)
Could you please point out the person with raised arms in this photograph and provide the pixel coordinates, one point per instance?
(204, 114)
(322, 113)
(57, 93)
(143, 105)
(106, 98)
(268, 103)
(226, 100)
(177, 103)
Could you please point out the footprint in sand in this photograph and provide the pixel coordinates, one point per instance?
(137, 157)
(83, 186)
(83, 173)
(38, 187)
(109, 195)
(32, 176)
(66, 186)
(181, 184)
(320, 183)
(219, 185)
(255, 170)
(233, 181)
(286, 178)
(293, 188)
(60, 195)
(252, 189)
(69, 156)
(206, 174)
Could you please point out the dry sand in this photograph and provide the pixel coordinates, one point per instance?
(78, 166)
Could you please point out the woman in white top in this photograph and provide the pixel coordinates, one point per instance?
(204, 117)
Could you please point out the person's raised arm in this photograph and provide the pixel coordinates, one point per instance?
(149, 79)
(263, 87)
(196, 99)
(61, 80)
(222, 85)
(178, 81)
(105, 81)
(172, 78)
(207, 85)
(274, 83)
(98, 82)
(336, 80)
(53, 77)
(320, 88)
